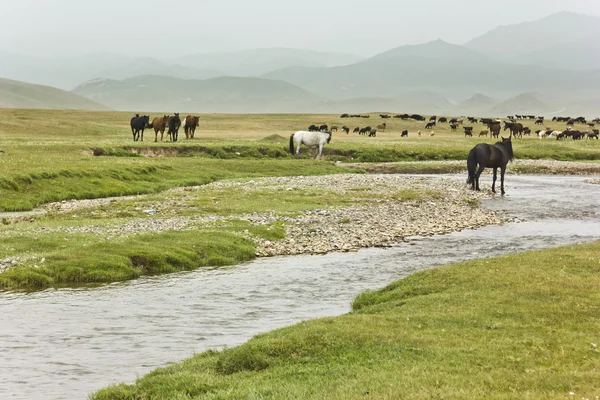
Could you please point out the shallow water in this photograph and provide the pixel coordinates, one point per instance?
(65, 343)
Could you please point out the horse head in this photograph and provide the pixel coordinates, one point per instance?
(329, 134)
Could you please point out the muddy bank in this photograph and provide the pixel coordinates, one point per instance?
(549, 167)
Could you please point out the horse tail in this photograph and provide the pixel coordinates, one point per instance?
(471, 165)
(292, 143)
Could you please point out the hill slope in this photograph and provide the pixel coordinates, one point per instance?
(451, 70)
(509, 41)
(583, 54)
(16, 94)
(260, 61)
(224, 94)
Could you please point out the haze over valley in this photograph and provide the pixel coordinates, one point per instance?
(529, 67)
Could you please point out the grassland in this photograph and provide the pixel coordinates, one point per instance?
(519, 326)
(49, 155)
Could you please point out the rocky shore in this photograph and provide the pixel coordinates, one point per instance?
(435, 205)
(550, 167)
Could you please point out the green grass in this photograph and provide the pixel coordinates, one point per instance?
(75, 256)
(87, 258)
(49, 155)
(518, 326)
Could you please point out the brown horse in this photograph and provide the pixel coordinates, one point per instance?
(191, 123)
(159, 124)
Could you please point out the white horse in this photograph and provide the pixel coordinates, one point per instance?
(309, 139)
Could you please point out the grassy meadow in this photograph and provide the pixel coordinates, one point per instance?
(518, 326)
(48, 156)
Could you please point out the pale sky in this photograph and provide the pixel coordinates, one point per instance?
(168, 29)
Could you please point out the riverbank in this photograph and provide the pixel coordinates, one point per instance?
(520, 166)
(509, 327)
(192, 226)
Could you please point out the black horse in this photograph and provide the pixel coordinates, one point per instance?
(489, 156)
(138, 124)
(174, 125)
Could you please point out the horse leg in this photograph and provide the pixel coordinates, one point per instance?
(142, 135)
(494, 180)
(502, 170)
(320, 151)
(477, 174)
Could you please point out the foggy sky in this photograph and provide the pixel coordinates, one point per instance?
(168, 29)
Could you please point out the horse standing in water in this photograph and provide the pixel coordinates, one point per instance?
(489, 156)
(309, 139)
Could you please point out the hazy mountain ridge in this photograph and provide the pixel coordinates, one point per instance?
(16, 94)
(223, 94)
(505, 42)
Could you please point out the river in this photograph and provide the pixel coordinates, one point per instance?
(66, 343)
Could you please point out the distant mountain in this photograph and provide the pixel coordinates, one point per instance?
(429, 66)
(478, 104)
(152, 66)
(224, 94)
(509, 41)
(451, 70)
(17, 94)
(583, 54)
(261, 61)
(64, 73)
(525, 103)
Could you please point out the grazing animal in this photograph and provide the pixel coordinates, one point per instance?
(433, 118)
(365, 130)
(334, 128)
(189, 128)
(318, 139)
(345, 129)
(483, 133)
(138, 124)
(356, 130)
(405, 133)
(384, 116)
(453, 127)
(323, 128)
(494, 130)
(468, 133)
(159, 124)
(539, 121)
(313, 128)
(443, 120)
(430, 125)
(344, 116)
(489, 156)
(373, 133)
(174, 125)
(382, 127)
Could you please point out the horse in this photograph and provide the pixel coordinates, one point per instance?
(345, 129)
(309, 139)
(138, 124)
(159, 124)
(404, 133)
(174, 125)
(382, 127)
(489, 156)
(191, 123)
(373, 133)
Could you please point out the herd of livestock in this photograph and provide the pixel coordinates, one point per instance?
(160, 124)
(515, 124)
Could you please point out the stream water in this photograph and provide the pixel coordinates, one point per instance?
(66, 343)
